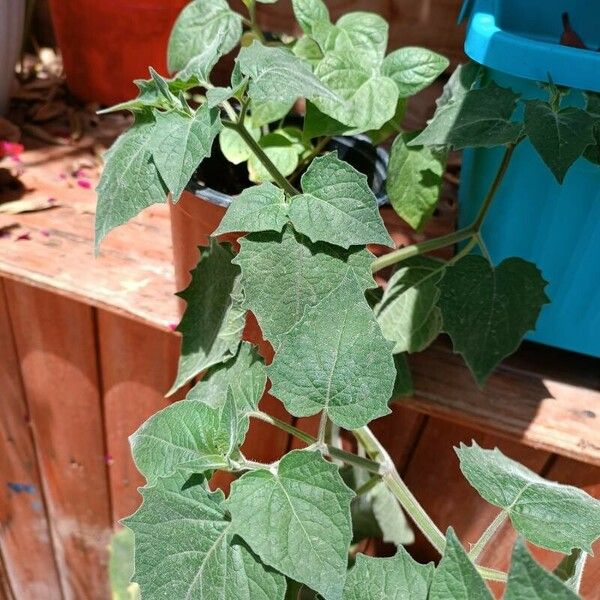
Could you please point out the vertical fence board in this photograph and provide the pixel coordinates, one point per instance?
(24, 533)
(55, 341)
(138, 365)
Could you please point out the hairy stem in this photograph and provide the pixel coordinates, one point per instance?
(396, 485)
(487, 535)
(264, 159)
(254, 26)
(450, 239)
(346, 457)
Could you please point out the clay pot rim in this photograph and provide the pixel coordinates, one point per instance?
(349, 142)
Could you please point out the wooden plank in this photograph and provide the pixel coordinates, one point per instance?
(25, 543)
(55, 341)
(137, 365)
(133, 274)
(5, 589)
(554, 406)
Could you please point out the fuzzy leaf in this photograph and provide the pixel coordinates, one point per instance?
(130, 181)
(395, 578)
(413, 69)
(198, 25)
(284, 275)
(487, 310)
(264, 113)
(317, 124)
(414, 180)
(213, 321)
(456, 578)
(482, 119)
(199, 67)
(277, 75)
(365, 33)
(408, 312)
(310, 12)
(185, 548)
(233, 147)
(529, 581)
(337, 206)
(120, 566)
(561, 137)
(365, 98)
(553, 516)
(283, 147)
(297, 520)
(336, 360)
(245, 374)
(187, 436)
(259, 208)
(180, 142)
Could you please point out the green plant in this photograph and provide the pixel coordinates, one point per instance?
(304, 270)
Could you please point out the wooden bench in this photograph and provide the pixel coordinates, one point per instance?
(87, 351)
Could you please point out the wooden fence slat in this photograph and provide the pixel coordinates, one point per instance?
(5, 589)
(55, 341)
(138, 365)
(25, 543)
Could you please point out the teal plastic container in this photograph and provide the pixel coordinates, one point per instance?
(555, 226)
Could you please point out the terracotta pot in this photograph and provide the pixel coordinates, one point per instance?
(106, 45)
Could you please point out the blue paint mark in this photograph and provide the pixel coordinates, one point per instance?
(21, 488)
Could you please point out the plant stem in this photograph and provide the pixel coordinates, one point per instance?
(264, 159)
(487, 535)
(314, 152)
(254, 26)
(368, 485)
(491, 574)
(332, 451)
(401, 254)
(396, 485)
(322, 428)
(452, 238)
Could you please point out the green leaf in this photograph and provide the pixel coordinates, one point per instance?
(310, 12)
(570, 569)
(263, 113)
(120, 566)
(365, 99)
(482, 119)
(277, 75)
(307, 49)
(180, 142)
(283, 147)
(130, 181)
(487, 310)
(317, 124)
(188, 436)
(283, 275)
(396, 578)
(337, 206)
(259, 208)
(528, 581)
(199, 67)
(377, 513)
(245, 374)
(297, 520)
(553, 516)
(233, 147)
(456, 577)
(199, 24)
(414, 180)
(403, 385)
(561, 137)
(336, 360)
(185, 548)
(413, 69)
(213, 321)
(408, 312)
(365, 33)
(391, 127)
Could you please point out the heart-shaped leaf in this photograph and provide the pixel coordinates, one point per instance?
(487, 310)
(560, 137)
(297, 520)
(185, 547)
